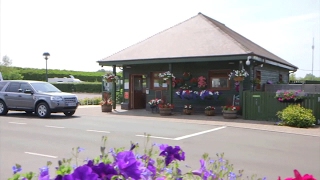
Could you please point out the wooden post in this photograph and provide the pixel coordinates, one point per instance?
(170, 84)
(114, 87)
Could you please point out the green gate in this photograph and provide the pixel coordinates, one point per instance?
(264, 105)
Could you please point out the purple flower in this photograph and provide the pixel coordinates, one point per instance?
(171, 154)
(80, 149)
(16, 168)
(84, 173)
(104, 171)
(44, 173)
(150, 166)
(202, 172)
(128, 165)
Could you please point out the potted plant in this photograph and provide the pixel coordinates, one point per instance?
(209, 110)
(188, 109)
(238, 75)
(202, 84)
(177, 82)
(165, 109)
(153, 103)
(194, 82)
(106, 103)
(256, 81)
(290, 95)
(230, 112)
(206, 94)
(110, 77)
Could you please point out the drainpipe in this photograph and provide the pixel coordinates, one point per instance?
(114, 87)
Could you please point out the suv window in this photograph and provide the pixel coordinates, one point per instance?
(25, 86)
(2, 84)
(13, 87)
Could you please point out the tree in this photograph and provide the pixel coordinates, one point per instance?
(9, 73)
(101, 70)
(292, 77)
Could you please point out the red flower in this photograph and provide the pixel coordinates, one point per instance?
(299, 177)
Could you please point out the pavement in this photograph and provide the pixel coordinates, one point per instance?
(200, 118)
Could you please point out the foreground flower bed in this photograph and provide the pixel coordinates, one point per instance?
(157, 162)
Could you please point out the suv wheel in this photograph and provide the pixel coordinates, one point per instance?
(43, 110)
(69, 113)
(3, 108)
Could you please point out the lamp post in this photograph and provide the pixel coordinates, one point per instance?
(46, 56)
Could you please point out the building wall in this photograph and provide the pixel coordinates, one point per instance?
(268, 72)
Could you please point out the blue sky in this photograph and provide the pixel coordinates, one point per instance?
(77, 33)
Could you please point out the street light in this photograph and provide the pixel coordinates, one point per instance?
(46, 56)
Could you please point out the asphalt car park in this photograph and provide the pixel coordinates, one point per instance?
(257, 147)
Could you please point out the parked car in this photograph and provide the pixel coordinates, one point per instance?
(40, 97)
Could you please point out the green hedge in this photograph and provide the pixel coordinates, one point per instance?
(88, 87)
(39, 74)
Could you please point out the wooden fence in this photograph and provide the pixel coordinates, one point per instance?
(264, 105)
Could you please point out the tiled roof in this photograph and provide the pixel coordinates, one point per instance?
(196, 37)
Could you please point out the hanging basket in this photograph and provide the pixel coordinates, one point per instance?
(238, 78)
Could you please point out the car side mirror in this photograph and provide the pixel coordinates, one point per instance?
(27, 91)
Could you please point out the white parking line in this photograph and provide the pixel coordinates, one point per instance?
(186, 136)
(196, 134)
(58, 127)
(44, 155)
(16, 123)
(90, 130)
(157, 137)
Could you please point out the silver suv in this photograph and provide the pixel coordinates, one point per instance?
(35, 96)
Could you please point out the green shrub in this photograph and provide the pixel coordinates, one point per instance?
(90, 101)
(297, 116)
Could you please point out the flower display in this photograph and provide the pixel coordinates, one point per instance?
(154, 102)
(208, 108)
(186, 74)
(166, 105)
(194, 80)
(238, 73)
(156, 162)
(299, 177)
(202, 82)
(177, 82)
(110, 77)
(269, 82)
(285, 95)
(186, 94)
(230, 108)
(207, 94)
(256, 81)
(166, 75)
(188, 106)
(107, 100)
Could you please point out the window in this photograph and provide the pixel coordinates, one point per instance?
(157, 82)
(280, 78)
(219, 80)
(25, 86)
(2, 84)
(258, 77)
(13, 87)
